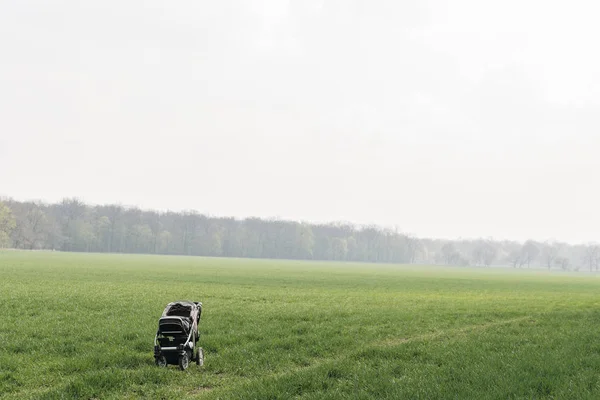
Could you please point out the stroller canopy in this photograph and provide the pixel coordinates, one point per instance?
(180, 317)
(182, 308)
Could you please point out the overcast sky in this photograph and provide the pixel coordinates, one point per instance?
(460, 118)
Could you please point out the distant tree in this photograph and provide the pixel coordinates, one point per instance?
(208, 238)
(7, 224)
(187, 229)
(592, 256)
(68, 211)
(304, 242)
(484, 253)
(101, 226)
(165, 239)
(31, 226)
(142, 239)
(563, 263)
(450, 255)
(414, 247)
(353, 249)
(549, 253)
(72, 225)
(253, 236)
(462, 261)
(82, 234)
(515, 258)
(153, 221)
(477, 255)
(371, 235)
(529, 252)
(338, 249)
(490, 253)
(110, 228)
(402, 249)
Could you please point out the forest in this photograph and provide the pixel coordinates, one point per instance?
(74, 226)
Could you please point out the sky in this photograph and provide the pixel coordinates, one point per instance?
(445, 119)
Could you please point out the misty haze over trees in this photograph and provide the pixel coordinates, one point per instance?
(71, 225)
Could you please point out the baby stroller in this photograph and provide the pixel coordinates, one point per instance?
(177, 336)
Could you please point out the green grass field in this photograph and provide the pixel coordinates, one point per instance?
(82, 326)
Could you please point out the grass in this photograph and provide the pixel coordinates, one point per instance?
(82, 326)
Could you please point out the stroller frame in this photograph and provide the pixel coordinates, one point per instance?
(177, 335)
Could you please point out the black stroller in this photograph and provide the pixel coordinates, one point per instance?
(177, 336)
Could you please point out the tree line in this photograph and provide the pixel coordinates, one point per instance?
(71, 225)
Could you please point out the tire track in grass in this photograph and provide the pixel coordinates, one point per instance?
(388, 342)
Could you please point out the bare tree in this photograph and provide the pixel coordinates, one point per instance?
(529, 252)
(515, 258)
(414, 247)
(592, 256)
(68, 211)
(477, 254)
(153, 221)
(490, 254)
(484, 253)
(549, 253)
(34, 226)
(563, 263)
(450, 255)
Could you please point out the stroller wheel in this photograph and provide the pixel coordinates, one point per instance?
(200, 357)
(184, 361)
(161, 361)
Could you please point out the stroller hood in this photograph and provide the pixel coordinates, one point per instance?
(174, 325)
(183, 308)
(180, 317)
